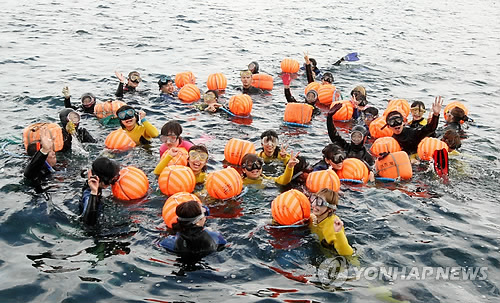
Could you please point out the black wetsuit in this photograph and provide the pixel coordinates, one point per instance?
(195, 241)
(456, 126)
(90, 206)
(409, 138)
(123, 88)
(352, 150)
(81, 133)
(37, 171)
(252, 90)
(291, 99)
(309, 74)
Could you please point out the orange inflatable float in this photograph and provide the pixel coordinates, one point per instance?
(400, 105)
(385, 145)
(452, 105)
(176, 178)
(376, 130)
(224, 184)
(168, 211)
(428, 146)
(345, 112)
(132, 184)
(184, 78)
(31, 134)
(189, 93)
(290, 208)
(300, 113)
(313, 85)
(180, 159)
(119, 140)
(289, 65)
(354, 169)
(217, 81)
(323, 179)
(107, 108)
(263, 81)
(394, 166)
(328, 93)
(240, 105)
(236, 149)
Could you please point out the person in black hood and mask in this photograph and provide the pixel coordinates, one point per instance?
(70, 122)
(354, 149)
(88, 101)
(253, 67)
(104, 173)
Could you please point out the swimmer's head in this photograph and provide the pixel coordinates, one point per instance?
(358, 135)
(253, 67)
(134, 78)
(189, 214)
(311, 97)
(334, 156)
(198, 157)
(457, 114)
(395, 121)
(210, 96)
(417, 110)
(452, 139)
(269, 141)
(246, 78)
(324, 201)
(88, 100)
(370, 114)
(66, 115)
(107, 170)
(252, 166)
(166, 84)
(327, 78)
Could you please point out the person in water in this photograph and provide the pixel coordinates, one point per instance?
(325, 224)
(129, 121)
(192, 239)
(87, 100)
(370, 114)
(133, 80)
(104, 172)
(252, 170)
(246, 81)
(409, 138)
(310, 65)
(253, 67)
(454, 121)
(270, 150)
(333, 157)
(311, 96)
(210, 101)
(359, 102)
(197, 161)
(167, 88)
(42, 161)
(171, 137)
(453, 140)
(417, 111)
(354, 149)
(70, 121)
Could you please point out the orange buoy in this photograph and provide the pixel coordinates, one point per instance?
(224, 184)
(428, 146)
(328, 93)
(119, 140)
(180, 159)
(376, 130)
(300, 113)
(168, 211)
(132, 184)
(31, 134)
(263, 81)
(176, 178)
(291, 207)
(235, 149)
(385, 145)
(289, 65)
(403, 105)
(323, 179)
(345, 112)
(452, 105)
(240, 105)
(184, 78)
(217, 81)
(394, 165)
(354, 169)
(189, 93)
(313, 85)
(107, 108)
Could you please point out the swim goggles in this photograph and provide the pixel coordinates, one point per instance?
(327, 77)
(135, 78)
(208, 97)
(256, 165)
(417, 110)
(311, 96)
(168, 138)
(165, 79)
(356, 137)
(88, 99)
(395, 121)
(320, 201)
(245, 73)
(74, 117)
(338, 158)
(126, 114)
(205, 212)
(197, 155)
(269, 141)
(369, 117)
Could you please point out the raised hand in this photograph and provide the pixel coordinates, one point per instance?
(120, 77)
(293, 160)
(337, 225)
(173, 151)
(45, 140)
(283, 152)
(306, 58)
(93, 181)
(286, 79)
(142, 114)
(436, 106)
(65, 92)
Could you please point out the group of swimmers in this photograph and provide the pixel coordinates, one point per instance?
(191, 235)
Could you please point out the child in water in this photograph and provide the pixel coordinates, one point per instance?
(197, 161)
(129, 121)
(417, 111)
(270, 150)
(252, 170)
(325, 224)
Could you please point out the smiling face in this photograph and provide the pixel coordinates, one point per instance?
(253, 174)
(269, 145)
(395, 123)
(130, 123)
(170, 140)
(168, 88)
(197, 160)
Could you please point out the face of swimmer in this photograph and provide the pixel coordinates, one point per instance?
(197, 160)
(134, 79)
(320, 207)
(269, 145)
(168, 88)
(336, 162)
(130, 122)
(395, 123)
(246, 78)
(170, 140)
(253, 170)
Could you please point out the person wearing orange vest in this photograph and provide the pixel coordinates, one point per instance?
(42, 161)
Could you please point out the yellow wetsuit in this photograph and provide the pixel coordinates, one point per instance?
(284, 179)
(200, 178)
(328, 236)
(146, 130)
(266, 159)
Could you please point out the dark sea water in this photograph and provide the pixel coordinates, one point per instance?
(408, 49)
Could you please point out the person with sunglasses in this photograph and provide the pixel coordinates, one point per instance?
(104, 172)
(170, 136)
(246, 81)
(325, 224)
(417, 111)
(210, 101)
(270, 150)
(356, 147)
(129, 121)
(333, 157)
(87, 105)
(70, 122)
(192, 240)
(409, 138)
(197, 161)
(133, 80)
(252, 170)
(167, 88)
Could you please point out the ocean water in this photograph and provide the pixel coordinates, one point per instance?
(415, 51)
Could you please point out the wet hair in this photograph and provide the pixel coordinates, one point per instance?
(301, 167)
(418, 104)
(314, 64)
(392, 114)
(458, 114)
(214, 92)
(329, 195)
(452, 139)
(359, 90)
(189, 209)
(331, 150)
(201, 148)
(161, 83)
(171, 127)
(372, 111)
(106, 169)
